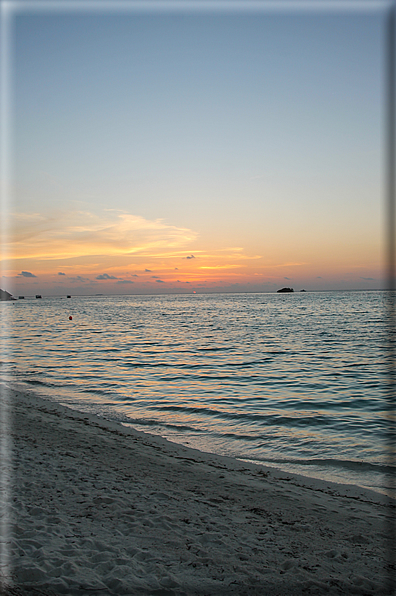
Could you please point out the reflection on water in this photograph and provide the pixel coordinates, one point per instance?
(267, 377)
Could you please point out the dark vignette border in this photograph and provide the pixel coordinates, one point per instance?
(390, 262)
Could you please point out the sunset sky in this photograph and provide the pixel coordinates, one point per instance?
(195, 150)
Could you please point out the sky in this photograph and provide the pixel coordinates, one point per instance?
(157, 151)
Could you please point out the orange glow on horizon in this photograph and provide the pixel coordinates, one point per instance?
(122, 252)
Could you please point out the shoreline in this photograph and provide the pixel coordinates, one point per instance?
(97, 506)
(314, 472)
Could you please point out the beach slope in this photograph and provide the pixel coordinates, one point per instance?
(97, 508)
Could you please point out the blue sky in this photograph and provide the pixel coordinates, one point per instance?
(214, 134)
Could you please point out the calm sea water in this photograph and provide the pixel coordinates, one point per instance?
(297, 381)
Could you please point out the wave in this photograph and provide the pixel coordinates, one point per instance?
(270, 419)
(353, 465)
(218, 349)
(42, 383)
(349, 424)
(188, 366)
(152, 422)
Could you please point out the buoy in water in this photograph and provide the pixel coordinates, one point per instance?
(70, 318)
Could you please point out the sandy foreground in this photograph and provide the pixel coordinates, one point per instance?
(96, 508)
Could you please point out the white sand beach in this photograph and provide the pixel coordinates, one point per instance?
(97, 508)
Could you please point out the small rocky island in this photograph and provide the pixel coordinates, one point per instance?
(286, 290)
(6, 295)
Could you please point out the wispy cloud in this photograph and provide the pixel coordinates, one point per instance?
(220, 266)
(64, 235)
(26, 274)
(289, 264)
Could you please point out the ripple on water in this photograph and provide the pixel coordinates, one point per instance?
(297, 377)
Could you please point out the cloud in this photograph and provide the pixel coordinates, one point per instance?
(287, 278)
(176, 268)
(147, 270)
(319, 277)
(60, 273)
(224, 267)
(125, 281)
(78, 278)
(77, 233)
(160, 281)
(106, 276)
(26, 274)
(190, 257)
(368, 278)
(154, 276)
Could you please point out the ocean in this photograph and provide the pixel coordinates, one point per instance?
(295, 381)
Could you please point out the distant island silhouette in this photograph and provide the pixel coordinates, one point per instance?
(286, 290)
(6, 295)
